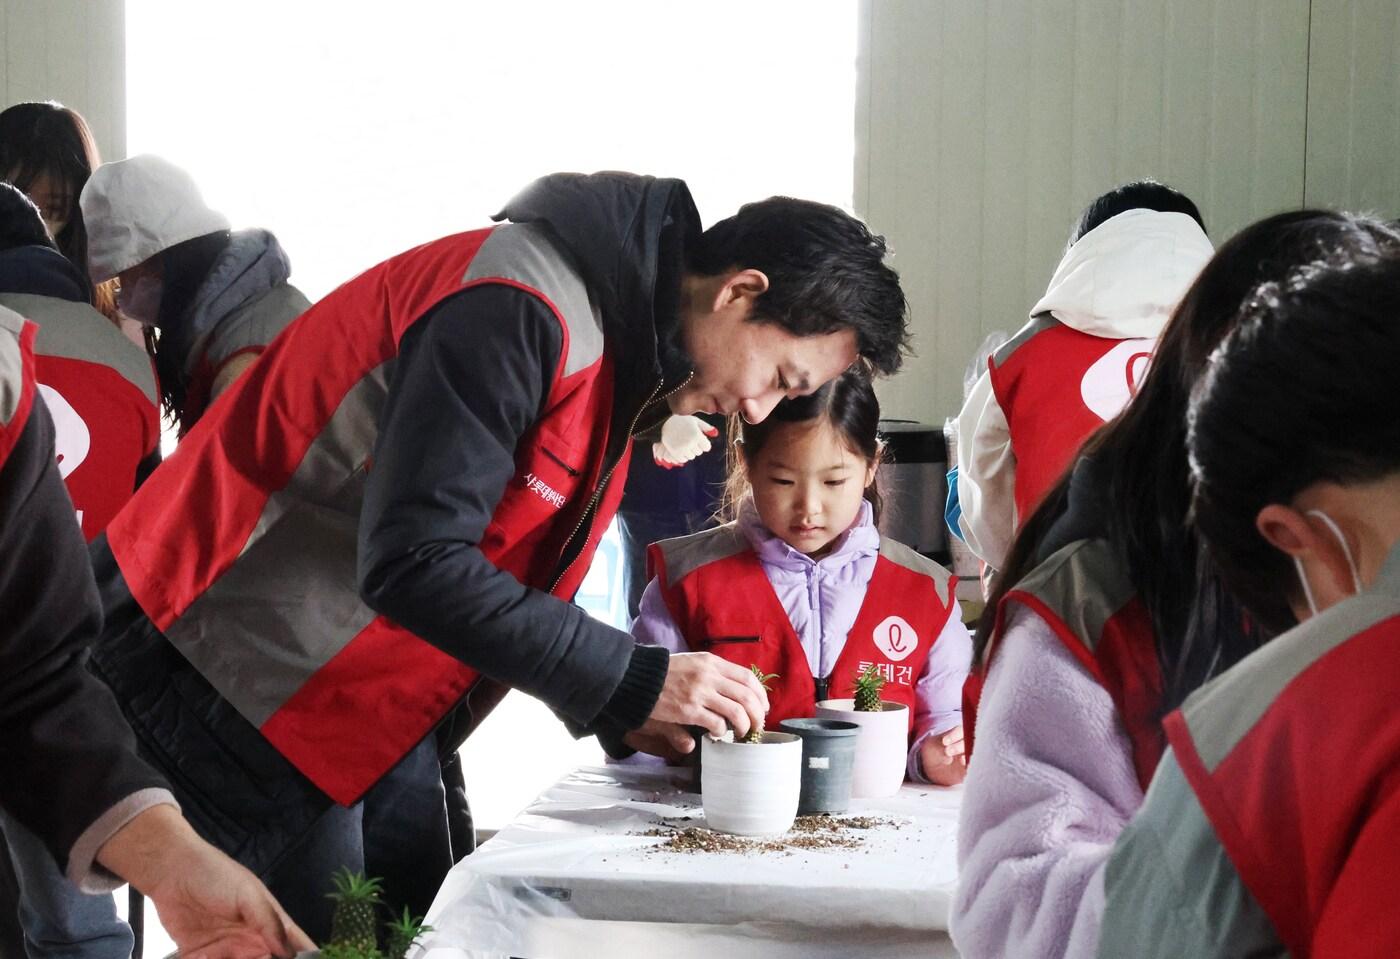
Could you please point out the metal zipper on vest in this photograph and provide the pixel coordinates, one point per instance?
(597, 496)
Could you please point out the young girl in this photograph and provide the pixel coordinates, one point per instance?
(801, 584)
(1283, 828)
(1104, 619)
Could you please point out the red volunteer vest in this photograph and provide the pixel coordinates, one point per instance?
(100, 389)
(1056, 386)
(1294, 756)
(722, 602)
(1083, 594)
(241, 548)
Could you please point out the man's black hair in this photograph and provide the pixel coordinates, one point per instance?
(826, 272)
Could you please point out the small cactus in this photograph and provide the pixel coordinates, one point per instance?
(756, 733)
(867, 690)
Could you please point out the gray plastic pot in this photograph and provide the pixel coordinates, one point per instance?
(828, 760)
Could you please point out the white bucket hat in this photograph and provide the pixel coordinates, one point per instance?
(135, 208)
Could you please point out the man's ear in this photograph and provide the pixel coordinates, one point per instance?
(742, 286)
(1285, 529)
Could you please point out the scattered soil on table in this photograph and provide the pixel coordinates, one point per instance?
(808, 832)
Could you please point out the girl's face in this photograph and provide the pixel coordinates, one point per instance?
(54, 199)
(808, 486)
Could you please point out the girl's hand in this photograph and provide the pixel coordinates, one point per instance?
(943, 758)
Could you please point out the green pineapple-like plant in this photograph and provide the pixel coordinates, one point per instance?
(756, 731)
(353, 923)
(403, 933)
(867, 690)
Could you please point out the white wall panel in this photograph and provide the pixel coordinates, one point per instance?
(1353, 158)
(71, 51)
(984, 127)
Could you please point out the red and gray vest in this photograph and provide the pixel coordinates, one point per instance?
(100, 389)
(1082, 592)
(17, 382)
(1280, 800)
(249, 565)
(1055, 386)
(722, 602)
(245, 331)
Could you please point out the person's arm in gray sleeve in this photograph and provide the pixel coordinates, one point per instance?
(470, 380)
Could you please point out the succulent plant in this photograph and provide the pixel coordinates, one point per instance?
(867, 690)
(353, 923)
(756, 732)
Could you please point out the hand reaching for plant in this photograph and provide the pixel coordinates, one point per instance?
(943, 758)
(212, 907)
(701, 689)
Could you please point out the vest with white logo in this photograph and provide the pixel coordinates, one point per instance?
(242, 549)
(723, 603)
(1055, 386)
(100, 389)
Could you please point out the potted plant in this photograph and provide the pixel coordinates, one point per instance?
(882, 750)
(750, 786)
(355, 922)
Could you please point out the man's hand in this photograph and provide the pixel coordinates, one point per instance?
(667, 740)
(682, 439)
(943, 758)
(212, 907)
(704, 690)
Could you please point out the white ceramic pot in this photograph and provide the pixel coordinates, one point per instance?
(882, 751)
(751, 789)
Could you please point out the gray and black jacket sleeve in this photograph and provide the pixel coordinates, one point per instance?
(469, 381)
(67, 756)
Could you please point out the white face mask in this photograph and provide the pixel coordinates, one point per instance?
(1346, 551)
(140, 300)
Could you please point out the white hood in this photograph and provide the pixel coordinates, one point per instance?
(1123, 278)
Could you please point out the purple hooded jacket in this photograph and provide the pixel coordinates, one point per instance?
(822, 598)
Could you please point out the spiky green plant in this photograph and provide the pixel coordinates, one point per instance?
(867, 690)
(756, 731)
(356, 899)
(403, 933)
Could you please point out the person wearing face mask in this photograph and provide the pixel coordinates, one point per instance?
(1105, 617)
(379, 530)
(215, 297)
(48, 151)
(1273, 824)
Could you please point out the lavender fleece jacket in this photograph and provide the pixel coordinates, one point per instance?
(822, 598)
(1050, 787)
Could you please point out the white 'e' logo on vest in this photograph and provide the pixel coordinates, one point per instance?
(1110, 383)
(896, 638)
(71, 440)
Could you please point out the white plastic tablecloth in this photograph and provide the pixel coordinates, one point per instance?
(573, 877)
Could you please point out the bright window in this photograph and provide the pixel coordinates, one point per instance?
(356, 130)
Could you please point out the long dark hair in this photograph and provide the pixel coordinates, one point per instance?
(1141, 456)
(49, 138)
(848, 404)
(1302, 391)
(184, 267)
